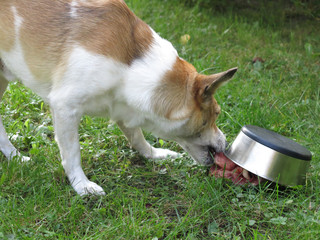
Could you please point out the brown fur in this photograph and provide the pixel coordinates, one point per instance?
(6, 26)
(46, 35)
(43, 35)
(128, 37)
(207, 109)
(185, 91)
(174, 94)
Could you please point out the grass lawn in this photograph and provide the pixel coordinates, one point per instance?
(176, 199)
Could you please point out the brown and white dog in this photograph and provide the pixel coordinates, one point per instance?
(96, 57)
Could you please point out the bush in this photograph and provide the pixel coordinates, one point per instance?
(268, 10)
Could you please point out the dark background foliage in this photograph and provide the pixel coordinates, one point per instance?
(272, 12)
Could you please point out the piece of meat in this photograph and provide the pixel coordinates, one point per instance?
(225, 168)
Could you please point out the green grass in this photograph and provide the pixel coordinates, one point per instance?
(176, 199)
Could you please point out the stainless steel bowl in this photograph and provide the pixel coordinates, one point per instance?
(270, 155)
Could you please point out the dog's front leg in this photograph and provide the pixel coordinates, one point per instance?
(6, 146)
(66, 123)
(139, 143)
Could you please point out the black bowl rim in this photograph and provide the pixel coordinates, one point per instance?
(277, 142)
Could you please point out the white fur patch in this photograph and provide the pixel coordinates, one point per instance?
(17, 20)
(73, 9)
(146, 73)
(89, 81)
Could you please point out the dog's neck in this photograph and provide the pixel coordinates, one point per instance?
(143, 87)
(146, 73)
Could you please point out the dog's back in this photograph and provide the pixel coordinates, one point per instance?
(38, 36)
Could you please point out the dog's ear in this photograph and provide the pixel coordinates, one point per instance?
(211, 83)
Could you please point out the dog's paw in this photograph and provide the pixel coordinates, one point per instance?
(18, 157)
(25, 159)
(87, 187)
(160, 153)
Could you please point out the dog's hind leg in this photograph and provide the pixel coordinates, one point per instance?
(139, 143)
(66, 122)
(6, 146)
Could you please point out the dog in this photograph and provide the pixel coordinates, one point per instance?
(96, 57)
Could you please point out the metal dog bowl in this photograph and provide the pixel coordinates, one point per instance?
(270, 156)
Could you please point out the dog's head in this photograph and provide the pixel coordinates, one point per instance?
(187, 97)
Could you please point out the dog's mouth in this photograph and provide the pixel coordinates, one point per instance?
(212, 151)
(210, 157)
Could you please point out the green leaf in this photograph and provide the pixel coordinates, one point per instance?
(161, 142)
(279, 220)
(252, 222)
(213, 227)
